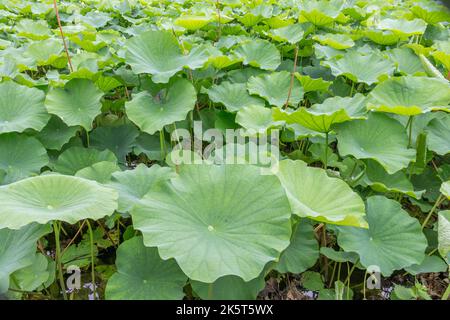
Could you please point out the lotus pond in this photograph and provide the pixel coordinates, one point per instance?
(224, 149)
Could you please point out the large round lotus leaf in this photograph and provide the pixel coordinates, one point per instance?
(410, 95)
(302, 253)
(74, 159)
(256, 119)
(32, 277)
(406, 60)
(229, 288)
(233, 96)
(217, 220)
(259, 53)
(54, 197)
(274, 87)
(36, 30)
(310, 84)
(192, 22)
(393, 241)
(45, 52)
(118, 139)
(20, 156)
(100, 171)
(158, 53)
(78, 103)
(21, 108)
(133, 185)
(17, 250)
(313, 194)
(444, 233)
(384, 37)
(380, 138)
(379, 180)
(292, 33)
(361, 67)
(151, 114)
(336, 41)
(320, 117)
(406, 27)
(143, 275)
(321, 13)
(431, 12)
(56, 134)
(438, 138)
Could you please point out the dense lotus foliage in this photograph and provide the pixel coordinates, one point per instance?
(97, 96)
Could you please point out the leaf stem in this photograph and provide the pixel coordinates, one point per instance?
(219, 27)
(326, 151)
(439, 200)
(410, 123)
(291, 84)
(58, 257)
(91, 238)
(162, 144)
(62, 36)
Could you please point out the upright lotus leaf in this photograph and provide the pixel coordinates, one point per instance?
(444, 233)
(320, 117)
(313, 194)
(274, 87)
(133, 185)
(430, 12)
(158, 53)
(76, 158)
(20, 156)
(56, 134)
(100, 171)
(255, 119)
(303, 251)
(54, 197)
(233, 96)
(148, 277)
(260, 54)
(21, 108)
(358, 67)
(379, 180)
(339, 256)
(33, 29)
(33, 276)
(217, 220)
(191, 22)
(229, 288)
(380, 138)
(404, 27)
(151, 114)
(438, 137)
(46, 52)
(393, 241)
(384, 37)
(321, 13)
(17, 249)
(311, 84)
(292, 33)
(118, 139)
(78, 103)
(406, 60)
(410, 95)
(335, 40)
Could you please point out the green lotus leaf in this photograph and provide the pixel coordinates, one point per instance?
(410, 95)
(33, 276)
(313, 194)
(429, 264)
(100, 171)
(292, 33)
(21, 108)
(310, 84)
(107, 84)
(229, 288)
(190, 22)
(336, 41)
(147, 278)
(302, 253)
(150, 146)
(393, 241)
(118, 139)
(78, 103)
(74, 159)
(255, 118)
(151, 114)
(438, 135)
(35, 30)
(274, 87)
(260, 54)
(21, 156)
(133, 185)
(320, 117)
(56, 134)
(46, 52)
(222, 220)
(406, 60)
(445, 189)
(158, 53)
(339, 256)
(17, 250)
(430, 14)
(444, 232)
(406, 27)
(54, 197)
(360, 67)
(385, 38)
(321, 13)
(233, 96)
(380, 138)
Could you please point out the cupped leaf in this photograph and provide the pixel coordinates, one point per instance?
(313, 194)
(151, 114)
(147, 278)
(233, 96)
(393, 241)
(21, 108)
(312, 84)
(217, 220)
(260, 54)
(54, 197)
(410, 95)
(191, 22)
(20, 156)
(406, 27)
(78, 103)
(274, 87)
(100, 171)
(336, 41)
(380, 138)
(77, 158)
(406, 60)
(292, 33)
